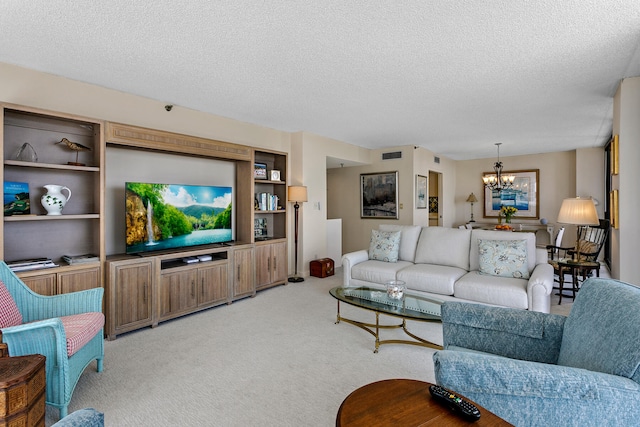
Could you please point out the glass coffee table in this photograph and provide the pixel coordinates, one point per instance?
(409, 307)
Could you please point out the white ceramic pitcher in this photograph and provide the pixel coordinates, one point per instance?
(53, 201)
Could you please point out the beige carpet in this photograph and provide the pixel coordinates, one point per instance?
(274, 360)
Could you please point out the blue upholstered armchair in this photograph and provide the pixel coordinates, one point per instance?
(536, 369)
(67, 329)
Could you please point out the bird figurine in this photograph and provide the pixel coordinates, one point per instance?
(75, 146)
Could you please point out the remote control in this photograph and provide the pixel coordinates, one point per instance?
(455, 402)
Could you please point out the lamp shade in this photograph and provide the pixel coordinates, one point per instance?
(578, 212)
(472, 198)
(297, 193)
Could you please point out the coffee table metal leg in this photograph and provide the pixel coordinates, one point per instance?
(377, 332)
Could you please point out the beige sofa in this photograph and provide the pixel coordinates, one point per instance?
(445, 263)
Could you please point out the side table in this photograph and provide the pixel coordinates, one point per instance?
(403, 403)
(575, 268)
(22, 391)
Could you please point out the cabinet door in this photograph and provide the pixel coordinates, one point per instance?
(178, 292)
(43, 285)
(243, 283)
(279, 262)
(263, 265)
(131, 299)
(79, 280)
(213, 284)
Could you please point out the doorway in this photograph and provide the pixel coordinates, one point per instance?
(435, 199)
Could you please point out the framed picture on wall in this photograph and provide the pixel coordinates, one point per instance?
(379, 195)
(523, 196)
(421, 192)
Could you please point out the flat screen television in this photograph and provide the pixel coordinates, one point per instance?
(173, 216)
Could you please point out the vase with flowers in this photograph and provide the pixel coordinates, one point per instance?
(508, 212)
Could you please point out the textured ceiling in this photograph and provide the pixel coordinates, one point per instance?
(452, 76)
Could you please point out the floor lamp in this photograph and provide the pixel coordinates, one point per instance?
(297, 194)
(578, 212)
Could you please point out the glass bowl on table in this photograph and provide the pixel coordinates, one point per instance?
(395, 289)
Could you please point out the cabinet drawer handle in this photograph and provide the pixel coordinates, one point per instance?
(193, 289)
(144, 288)
(275, 263)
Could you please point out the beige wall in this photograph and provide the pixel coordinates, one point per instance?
(557, 182)
(625, 241)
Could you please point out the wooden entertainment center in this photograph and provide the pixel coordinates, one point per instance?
(140, 290)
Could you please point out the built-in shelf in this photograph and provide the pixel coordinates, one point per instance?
(20, 218)
(51, 166)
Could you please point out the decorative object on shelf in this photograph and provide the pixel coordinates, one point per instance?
(54, 201)
(421, 192)
(75, 146)
(472, 199)
(395, 289)
(26, 153)
(497, 181)
(296, 194)
(260, 228)
(543, 221)
(523, 196)
(578, 212)
(379, 195)
(615, 155)
(508, 212)
(260, 170)
(275, 175)
(16, 198)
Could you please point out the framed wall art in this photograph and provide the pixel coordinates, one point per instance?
(421, 192)
(259, 171)
(379, 195)
(615, 221)
(615, 155)
(523, 195)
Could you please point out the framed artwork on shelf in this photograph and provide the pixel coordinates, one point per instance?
(523, 195)
(379, 195)
(16, 198)
(260, 171)
(615, 155)
(614, 209)
(275, 175)
(421, 192)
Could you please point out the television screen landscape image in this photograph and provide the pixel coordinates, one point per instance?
(172, 216)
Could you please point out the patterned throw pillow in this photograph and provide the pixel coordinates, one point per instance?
(9, 313)
(384, 245)
(504, 258)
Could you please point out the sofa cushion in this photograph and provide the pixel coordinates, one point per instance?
(504, 258)
(474, 253)
(504, 291)
(408, 239)
(80, 329)
(9, 313)
(377, 271)
(384, 245)
(444, 246)
(438, 279)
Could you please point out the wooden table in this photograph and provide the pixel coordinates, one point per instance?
(403, 403)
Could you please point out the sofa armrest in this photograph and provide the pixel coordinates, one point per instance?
(529, 393)
(508, 332)
(539, 288)
(46, 337)
(87, 417)
(348, 261)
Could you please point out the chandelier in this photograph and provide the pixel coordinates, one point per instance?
(497, 181)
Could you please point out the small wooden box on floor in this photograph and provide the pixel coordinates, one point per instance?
(322, 267)
(22, 391)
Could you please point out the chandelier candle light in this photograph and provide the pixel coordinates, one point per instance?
(498, 181)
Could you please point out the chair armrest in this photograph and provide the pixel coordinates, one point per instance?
(37, 338)
(529, 393)
(40, 307)
(508, 332)
(349, 260)
(539, 288)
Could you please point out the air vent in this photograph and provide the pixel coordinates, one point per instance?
(436, 159)
(392, 155)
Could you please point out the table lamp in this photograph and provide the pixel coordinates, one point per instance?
(472, 199)
(297, 194)
(578, 212)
